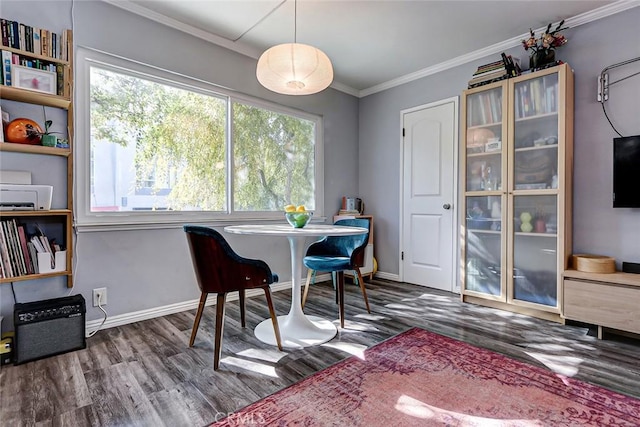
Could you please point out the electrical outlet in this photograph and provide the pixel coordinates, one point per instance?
(99, 296)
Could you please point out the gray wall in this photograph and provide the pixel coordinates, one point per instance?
(598, 228)
(152, 268)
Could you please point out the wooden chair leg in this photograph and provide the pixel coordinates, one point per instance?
(340, 281)
(242, 308)
(217, 344)
(333, 282)
(196, 322)
(306, 287)
(364, 290)
(274, 318)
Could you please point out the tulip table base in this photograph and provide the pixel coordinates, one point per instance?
(297, 332)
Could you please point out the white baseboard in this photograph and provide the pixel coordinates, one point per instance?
(387, 276)
(151, 313)
(137, 316)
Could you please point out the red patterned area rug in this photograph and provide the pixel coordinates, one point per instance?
(419, 378)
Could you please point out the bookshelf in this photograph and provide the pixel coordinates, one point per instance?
(517, 154)
(56, 223)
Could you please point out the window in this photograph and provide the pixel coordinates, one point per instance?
(163, 148)
(273, 155)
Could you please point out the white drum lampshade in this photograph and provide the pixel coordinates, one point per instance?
(294, 69)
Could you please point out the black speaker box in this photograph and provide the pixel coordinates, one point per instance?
(49, 327)
(631, 267)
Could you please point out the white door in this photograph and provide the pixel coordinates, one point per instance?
(428, 194)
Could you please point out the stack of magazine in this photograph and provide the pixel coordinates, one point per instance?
(19, 250)
(495, 71)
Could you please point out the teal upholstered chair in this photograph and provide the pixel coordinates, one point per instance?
(338, 254)
(220, 270)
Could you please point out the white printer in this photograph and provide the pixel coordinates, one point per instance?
(18, 194)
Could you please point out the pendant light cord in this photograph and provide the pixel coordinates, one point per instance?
(295, 21)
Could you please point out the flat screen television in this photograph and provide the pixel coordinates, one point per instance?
(626, 172)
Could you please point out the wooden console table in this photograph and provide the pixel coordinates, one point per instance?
(606, 300)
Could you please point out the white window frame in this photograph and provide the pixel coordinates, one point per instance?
(87, 220)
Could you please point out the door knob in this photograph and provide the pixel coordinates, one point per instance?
(446, 206)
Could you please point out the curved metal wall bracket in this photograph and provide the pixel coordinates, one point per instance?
(603, 79)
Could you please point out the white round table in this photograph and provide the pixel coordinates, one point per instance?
(297, 330)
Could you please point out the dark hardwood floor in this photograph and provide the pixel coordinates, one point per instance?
(144, 374)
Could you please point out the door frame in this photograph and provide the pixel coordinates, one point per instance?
(456, 193)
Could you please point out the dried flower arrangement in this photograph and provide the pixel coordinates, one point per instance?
(548, 40)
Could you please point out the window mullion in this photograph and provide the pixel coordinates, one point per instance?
(230, 165)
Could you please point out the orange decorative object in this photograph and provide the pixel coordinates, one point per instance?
(23, 131)
(477, 138)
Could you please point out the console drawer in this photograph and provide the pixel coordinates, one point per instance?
(604, 304)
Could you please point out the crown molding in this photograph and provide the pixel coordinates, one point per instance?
(584, 18)
(186, 28)
(346, 89)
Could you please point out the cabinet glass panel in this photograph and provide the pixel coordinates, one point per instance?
(535, 226)
(536, 133)
(484, 145)
(483, 244)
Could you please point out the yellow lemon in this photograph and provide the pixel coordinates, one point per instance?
(301, 208)
(289, 208)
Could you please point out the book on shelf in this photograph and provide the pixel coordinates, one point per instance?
(4, 254)
(35, 40)
(4, 33)
(512, 67)
(14, 34)
(485, 108)
(11, 250)
(21, 38)
(492, 66)
(37, 47)
(488, 81)
(495, 71)
(19, 250)
(488, 76)
(62, 73)
(60, 79)
(37, 243)
(2, 273)
(22, 234)
(44, 42)
(536, 97)
(486, 71)
(348, 212)
(34, 43)
(6, 68)
(33, 253)
(18, 247)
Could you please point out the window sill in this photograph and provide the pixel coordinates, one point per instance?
(133, 225)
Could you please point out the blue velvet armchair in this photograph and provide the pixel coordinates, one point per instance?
(338, 254)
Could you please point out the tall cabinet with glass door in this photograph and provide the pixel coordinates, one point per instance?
(517, 159)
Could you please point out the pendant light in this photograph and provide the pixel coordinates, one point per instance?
(294, 68)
